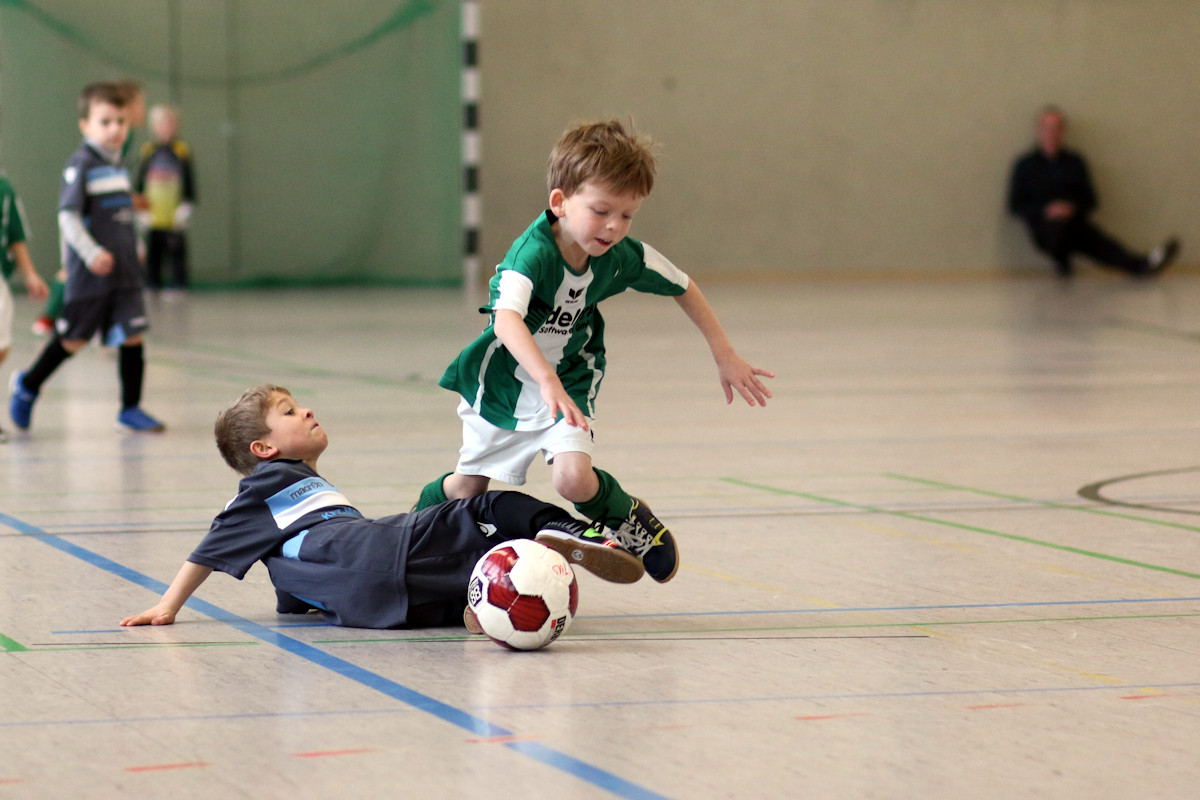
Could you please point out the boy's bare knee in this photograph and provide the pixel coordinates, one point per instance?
(456, 486)
(576, 485)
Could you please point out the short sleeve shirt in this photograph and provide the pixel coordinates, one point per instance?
(99, 191)
(277, 501)
(559, 307)
(12, 226)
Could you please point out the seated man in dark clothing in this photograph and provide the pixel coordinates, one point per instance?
(1052, 192)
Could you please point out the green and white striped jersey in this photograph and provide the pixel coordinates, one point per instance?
(560, 309)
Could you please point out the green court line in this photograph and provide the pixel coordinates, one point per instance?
(962, 527)
(11, 645)
(1044, 503)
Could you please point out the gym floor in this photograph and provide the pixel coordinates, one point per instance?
(957, 555)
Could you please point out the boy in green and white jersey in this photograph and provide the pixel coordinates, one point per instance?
(528, 383)
(14, 257)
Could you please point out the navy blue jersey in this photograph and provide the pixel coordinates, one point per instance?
(362, 573)
(99, 191)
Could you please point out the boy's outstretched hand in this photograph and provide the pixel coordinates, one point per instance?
(737, 374)
(151, 616)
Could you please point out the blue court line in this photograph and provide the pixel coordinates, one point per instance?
(447, 713)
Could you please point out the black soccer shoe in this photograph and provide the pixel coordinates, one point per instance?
(289, 604)
(643, 535)
(583, 545)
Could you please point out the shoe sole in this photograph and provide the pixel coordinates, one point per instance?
(126, 429)
(472, 622)
(613, 564)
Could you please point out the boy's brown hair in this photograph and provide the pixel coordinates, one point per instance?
(608, 152)
(101, 92)
(242, 423)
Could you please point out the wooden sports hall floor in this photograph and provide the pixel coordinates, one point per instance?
(958, 556)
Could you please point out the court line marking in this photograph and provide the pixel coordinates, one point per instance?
(1095, 491)
(1054, 504)
(964, 527)
(820, 698)
(478, 726)
(943, 607)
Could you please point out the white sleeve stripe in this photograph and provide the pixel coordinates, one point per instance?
(660, 264)
(515, 292)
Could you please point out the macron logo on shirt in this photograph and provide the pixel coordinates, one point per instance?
(303, 497)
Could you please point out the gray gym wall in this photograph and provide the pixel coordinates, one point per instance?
(848, 136)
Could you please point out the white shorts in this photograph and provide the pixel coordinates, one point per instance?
(6, 315)
(504, 455)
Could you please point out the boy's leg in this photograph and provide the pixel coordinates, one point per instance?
(450, 486)
(449, 538)
(24, 386)
(432, 494)
(517, 515)
(487, 453)
(634, 525)
(123, 331)
(131, 363)
(155, 245)
(54, 306)
(179, 261)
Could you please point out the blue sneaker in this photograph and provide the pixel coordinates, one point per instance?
(20, 401)
(134, 419)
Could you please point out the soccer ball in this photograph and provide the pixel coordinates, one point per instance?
(524, 594)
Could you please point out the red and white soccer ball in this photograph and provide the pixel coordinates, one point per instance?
(524, 594)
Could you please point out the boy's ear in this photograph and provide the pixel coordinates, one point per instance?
(263, 450)
(557, 196)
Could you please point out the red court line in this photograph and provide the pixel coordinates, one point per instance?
(819, 717)
(323, 753)
(159, 767)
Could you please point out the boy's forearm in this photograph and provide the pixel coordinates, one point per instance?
(697, 309)
(186, 582)
(75, 234)
(20, 255)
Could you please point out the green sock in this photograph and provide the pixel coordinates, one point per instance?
(611, 505)
(54, 301)
(433, 494)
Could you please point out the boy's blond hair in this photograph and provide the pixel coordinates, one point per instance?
(242, 423)
(608, 152)
(163, 111)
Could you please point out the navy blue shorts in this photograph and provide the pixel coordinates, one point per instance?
(117, 316)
